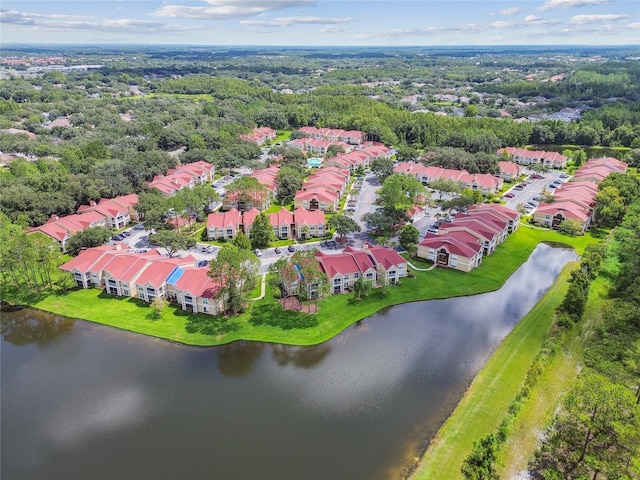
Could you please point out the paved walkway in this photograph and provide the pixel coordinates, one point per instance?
(422, 269)
(262, 288)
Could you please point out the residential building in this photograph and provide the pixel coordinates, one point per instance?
(309, 223)
(61, 228)
(260, 135)
(194, 291)
(460, 251)
(390, 266)
(224, 225)
(510, 171)
(283, 224)
(118, 211)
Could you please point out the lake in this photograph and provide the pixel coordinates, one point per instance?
(86, 401)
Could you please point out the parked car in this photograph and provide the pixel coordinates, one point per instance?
(210, 249)
(509, 195)
(432, 230)
(564, 175)
(257, 252)
(553, 185)
(277, 250)
(537, 197)
(291, 248)
(203, 263)
(536, 176)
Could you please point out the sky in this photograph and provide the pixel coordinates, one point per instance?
(322, 22)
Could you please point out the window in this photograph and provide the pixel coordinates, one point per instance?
(188, 298)
(230, 232)
(356, 275)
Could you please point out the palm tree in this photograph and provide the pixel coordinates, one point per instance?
(361, 288)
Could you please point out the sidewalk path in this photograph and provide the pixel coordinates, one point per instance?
(262, 288)
(421, 269)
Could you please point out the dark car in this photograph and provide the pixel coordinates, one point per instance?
(291, 248)
(509, 195)
(277, 250)
(552, 186)
(203, 263)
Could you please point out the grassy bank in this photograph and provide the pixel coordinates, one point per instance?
(266, 321)
(488, 398)
(555, 381)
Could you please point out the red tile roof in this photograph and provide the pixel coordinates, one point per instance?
(452, 244)
(196, 282)
(303, 216)
(387, 257)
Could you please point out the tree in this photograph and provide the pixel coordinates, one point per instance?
(261, 231)
(249, 191)
(172, 241)
(361, 288)
(343, 225)
(594, 434)
(242, 241)
(235, 271)
(609, 208)
(334, 150)
(444, 185)
(378, 221)
(288, 182)
(571, 227)
(158, 304)
(91, 237)
(401, 191)
(409, 236)
(383, 168)
(406, 154)
(480, 464)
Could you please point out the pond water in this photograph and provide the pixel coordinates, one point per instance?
(85, 401)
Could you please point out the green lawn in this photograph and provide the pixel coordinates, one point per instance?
(557, 378)
(488, 398)
(335, 313)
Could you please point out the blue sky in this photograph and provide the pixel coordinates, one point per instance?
(322, 22)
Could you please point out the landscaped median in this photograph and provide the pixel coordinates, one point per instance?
(266, 321)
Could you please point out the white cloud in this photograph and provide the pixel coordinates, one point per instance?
(332, 29)
(219, 9)
(288, 21)
(549, 4)
(59, 23)
(634, 26)
(583, 19)
(510, 11)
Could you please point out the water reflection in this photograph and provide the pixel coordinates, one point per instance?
(24, 326)
(360, 406)
(302, 357)
(237, 359)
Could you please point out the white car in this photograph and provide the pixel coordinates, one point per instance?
(257, 252)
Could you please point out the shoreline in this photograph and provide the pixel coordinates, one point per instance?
(265, 320)
(507, 366)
